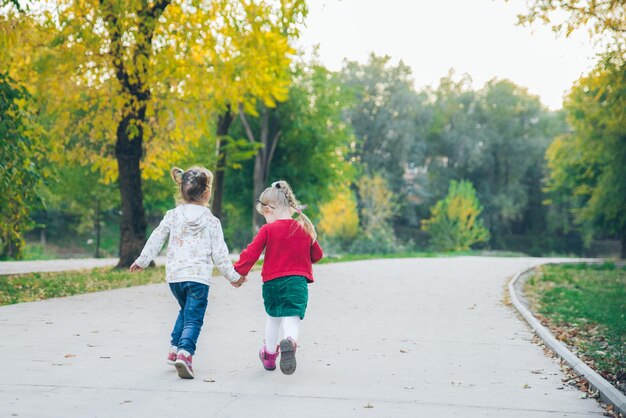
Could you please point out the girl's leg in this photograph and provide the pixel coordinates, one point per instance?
(288, 345)
(179, 294)
(196, 302)
(291, 327)
(272, 327)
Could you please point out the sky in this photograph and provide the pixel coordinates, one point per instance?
(475, 37)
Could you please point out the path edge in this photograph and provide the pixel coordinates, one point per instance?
(608, 392)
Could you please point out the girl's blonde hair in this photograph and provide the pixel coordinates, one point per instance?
(194, 185)
(280, 195)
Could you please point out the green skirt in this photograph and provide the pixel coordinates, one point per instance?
(286, 296)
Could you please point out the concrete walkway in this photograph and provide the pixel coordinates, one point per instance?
(382, 338)
(45, 266)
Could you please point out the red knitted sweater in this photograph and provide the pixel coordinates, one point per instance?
(289, 251)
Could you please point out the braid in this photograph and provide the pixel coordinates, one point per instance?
(291, 198)
(297, 207)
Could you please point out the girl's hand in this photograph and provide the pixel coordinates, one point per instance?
(239, 282)
(134, 267)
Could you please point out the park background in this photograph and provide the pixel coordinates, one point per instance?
(100, 99)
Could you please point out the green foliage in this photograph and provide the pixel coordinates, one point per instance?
(376, 208)
(587, 304)
(454, 224)
(390, 119)
(310, 153)
(566, 16)
(22, 156)
(312, 150)
(588, 166)
(495, 137)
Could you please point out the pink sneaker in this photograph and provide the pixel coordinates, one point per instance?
(183, 366)
(288, 355)
(268, 359)
(171, 358)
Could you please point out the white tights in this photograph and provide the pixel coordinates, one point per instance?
(291, 328)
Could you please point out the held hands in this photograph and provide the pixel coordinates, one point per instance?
(134, 267)
(239, 282)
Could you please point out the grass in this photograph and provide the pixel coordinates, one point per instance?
(585, 307)
(356, 257)
(38, 286)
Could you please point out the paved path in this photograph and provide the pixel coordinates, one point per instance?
(382, 338)
(39, 266)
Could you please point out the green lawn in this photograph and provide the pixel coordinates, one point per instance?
(38, 286)
(585, 307)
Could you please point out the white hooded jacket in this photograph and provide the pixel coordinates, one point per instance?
(196, 244)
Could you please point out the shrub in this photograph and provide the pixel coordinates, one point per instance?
(453, 224)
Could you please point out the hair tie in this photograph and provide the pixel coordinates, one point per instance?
(276, 184)
(300, 208)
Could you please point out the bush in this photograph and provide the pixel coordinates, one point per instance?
(454, 224)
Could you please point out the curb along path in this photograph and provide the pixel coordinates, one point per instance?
(608, 392)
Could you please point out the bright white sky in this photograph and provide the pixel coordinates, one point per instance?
(477, 37)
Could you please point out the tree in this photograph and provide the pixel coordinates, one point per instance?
(253, 67)
(377, 206)
(494, 137)
(454, 224)
(565, 16)
(22, 155)
(131, 81)
(383, 116)
(311, 153)
(303, 139)
(588, 166)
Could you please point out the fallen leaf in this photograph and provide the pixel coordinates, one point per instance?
(369, 406)
(402, 350)
(209, 380)
(526, 386)
(70, 355)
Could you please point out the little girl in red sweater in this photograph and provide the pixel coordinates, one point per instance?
(290, 249)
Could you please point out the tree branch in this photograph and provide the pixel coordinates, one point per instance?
(246, 125)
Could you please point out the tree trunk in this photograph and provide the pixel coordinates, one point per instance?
(263, 157)
(623, 241)
(224, 121)
(96, 224)
(260, 182)
(132, 74)
(128, 153)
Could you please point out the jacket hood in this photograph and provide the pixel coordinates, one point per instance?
(195, 217)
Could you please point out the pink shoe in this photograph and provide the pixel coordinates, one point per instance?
(268, 359)
(183, 366)
(288, 355)
(171, 358)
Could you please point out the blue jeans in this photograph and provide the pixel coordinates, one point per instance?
(193, 300)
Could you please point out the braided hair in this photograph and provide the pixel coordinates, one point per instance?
(194, 185)
(281, 195)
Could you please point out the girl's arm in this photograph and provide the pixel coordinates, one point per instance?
(316, 252)
(154, 244)
(251, 254)
(220, 254)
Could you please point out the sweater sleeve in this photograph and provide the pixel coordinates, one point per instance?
(220, 254)
(316, 252)
(155, 243)
(251, 254)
